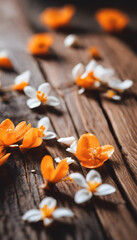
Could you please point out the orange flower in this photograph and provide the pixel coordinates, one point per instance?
(57, 17)
(112, 20)
(5, 61)
(88, 81)
(39, 44)
(94, 52)
(49, 173)
(31, 140)
(89, 152)
(9, 134)
(3, 155)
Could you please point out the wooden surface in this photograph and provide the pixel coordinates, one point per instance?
(109, 217)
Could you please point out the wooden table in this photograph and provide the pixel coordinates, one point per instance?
(108, 217)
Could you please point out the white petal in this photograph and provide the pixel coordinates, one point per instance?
(71, 40)
(47, 221)
(45, 88)
(79, 179)
(104, 189)
(72, 148)
(4, 53)
(44, 122)
(81, 90)
(57, 159)
(52, 101)
(49, 135)
(67, 140)
(32, 215)
(69, 160)
(30, 91)
(93, 176)
(77, 71)
(49, 201)
(24, 77)
(121, 86)
(116, 97)
(83, 195)
(33, 103)
(104, 74)
(91, 66)
(62, 212)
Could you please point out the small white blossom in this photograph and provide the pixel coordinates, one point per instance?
(40, 96)
(43, 125)
(92, 185)
(71, 40)
(47, 212)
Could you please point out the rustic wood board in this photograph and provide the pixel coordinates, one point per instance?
(110, 217)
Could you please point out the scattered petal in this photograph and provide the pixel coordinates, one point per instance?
(77, 71)
(52, 101)
(71, 40)
(62, 212)
(105, 189)
(66, 140)
(49, 201)
(82, 196)
(79, 179)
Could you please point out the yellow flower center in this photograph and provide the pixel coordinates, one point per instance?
(47, 212)
(41, 96)
(93, 186)
(110, 93)
(41, 131)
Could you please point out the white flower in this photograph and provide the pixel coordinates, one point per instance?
(47, 212)
(71, 40)
(92, 185)
(69, 160)
(66, 140)
(119, 85)
(43, 125)
(22, 80)
(41, 96)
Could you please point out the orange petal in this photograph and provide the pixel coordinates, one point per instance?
(39, 43)
(5, 63)
(30, 138)
(47, 168)
(57, 17)
(20, 130)
(94, 52)
(61, 171)
(4, 158)
(7, 124)
(8, 139)
(92, 163)
(20, 87)
(107, 151)
(112, 19)
(37, 143)
(86, 142)
(87, 82)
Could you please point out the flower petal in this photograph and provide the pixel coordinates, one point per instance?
(69, 160)
(104, 74)
(81, 90)
(44, 122)
(79, 179)
(47, 168)
(49, 135)
(62, 212)
(60, 171)
(49, 201)
(45, 88)
(121, 86)
(33, 215)
(47, 221)
(104, 189)
(23, 77)
(77, 71)
(72, 148)
(66, 140)
(107, 151)
(71, 40)
(91, 66)
(83, 195)
(93, 176)
(85, 142)
(52, 101)
(33, 103)
(30, 91)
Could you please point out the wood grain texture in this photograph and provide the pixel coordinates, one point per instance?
(110, 217)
